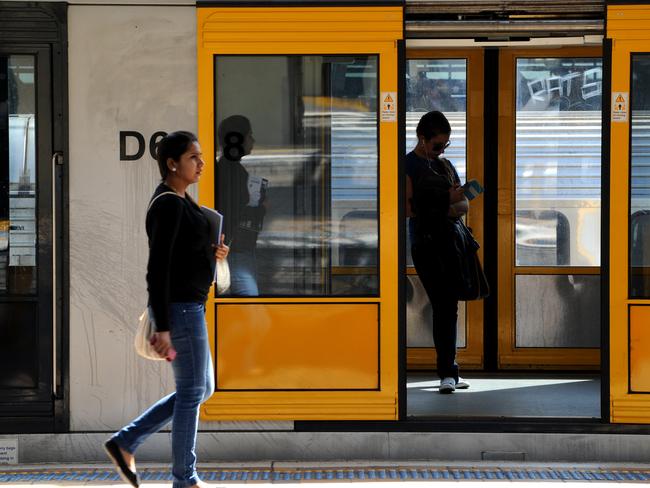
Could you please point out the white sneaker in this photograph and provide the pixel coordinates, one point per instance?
(462, 384)
(447, 385)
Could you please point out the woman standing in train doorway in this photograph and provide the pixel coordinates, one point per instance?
(434, 198)
(179, 275)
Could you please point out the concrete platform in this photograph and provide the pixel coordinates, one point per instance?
(247, 447)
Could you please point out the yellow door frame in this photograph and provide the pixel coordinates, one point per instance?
(628, 27)
(509, 355)
(470, 356)
(306, 31)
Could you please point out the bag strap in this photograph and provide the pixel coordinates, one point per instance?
(158, 196)
(449, 170)
(471, 240)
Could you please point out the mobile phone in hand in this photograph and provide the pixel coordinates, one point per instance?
(472, 189)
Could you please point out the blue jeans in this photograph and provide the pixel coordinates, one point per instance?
(243, 273)
(194, 376)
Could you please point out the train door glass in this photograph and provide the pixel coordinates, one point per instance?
(296, 174)
(550, 286)
(296, 179)
(639, 224)
(18, 211)
(25, 252)
(640, 183)
(443, 82)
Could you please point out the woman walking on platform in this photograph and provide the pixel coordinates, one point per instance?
(179, 275)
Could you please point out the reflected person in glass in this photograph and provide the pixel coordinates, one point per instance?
(427, 93)
(240, 197)
(434, 199)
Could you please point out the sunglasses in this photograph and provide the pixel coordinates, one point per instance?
(441, 146)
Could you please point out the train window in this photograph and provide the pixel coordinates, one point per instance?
(558, 142)
(640, 183)
(18, 177)
(557, 311)
(438, 84)
(297, 173)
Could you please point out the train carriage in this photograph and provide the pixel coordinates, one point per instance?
(549, 109)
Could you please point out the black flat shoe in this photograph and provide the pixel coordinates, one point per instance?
(113, 451)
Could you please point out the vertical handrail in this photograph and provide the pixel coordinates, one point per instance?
(56, 160)
(26, 146)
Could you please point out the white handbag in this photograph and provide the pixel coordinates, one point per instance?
(222, 283)
(143, 334)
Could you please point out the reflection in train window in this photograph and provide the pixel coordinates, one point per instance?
(640, 183)
(438, 84)
(557, 311)
(17, 175)
(297, 172)
(543, 237)
(558, 141)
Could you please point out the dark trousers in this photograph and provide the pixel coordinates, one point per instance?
(434, 275)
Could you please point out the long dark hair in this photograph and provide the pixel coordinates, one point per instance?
(173, 145)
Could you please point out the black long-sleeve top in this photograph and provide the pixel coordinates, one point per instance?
(180, 254)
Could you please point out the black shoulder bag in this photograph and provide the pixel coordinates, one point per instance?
(472, 283)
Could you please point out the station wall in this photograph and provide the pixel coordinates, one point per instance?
(130, 69)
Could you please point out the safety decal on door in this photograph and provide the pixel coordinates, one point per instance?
(620, 106)
(389, 106)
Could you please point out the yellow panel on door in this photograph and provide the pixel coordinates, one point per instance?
(295, 346)
(640, 348)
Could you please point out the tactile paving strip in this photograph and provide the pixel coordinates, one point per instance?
(336, 474)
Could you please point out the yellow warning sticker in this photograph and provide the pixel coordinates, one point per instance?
(620, 106)
(389, 106)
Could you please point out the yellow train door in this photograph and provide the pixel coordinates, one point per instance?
(628, 42)
(298, 121)
(549, 190)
